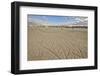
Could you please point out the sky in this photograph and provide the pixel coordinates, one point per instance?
(58, 20)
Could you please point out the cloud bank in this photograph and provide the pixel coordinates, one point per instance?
(58, 20)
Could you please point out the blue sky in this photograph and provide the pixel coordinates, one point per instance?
(57, 19)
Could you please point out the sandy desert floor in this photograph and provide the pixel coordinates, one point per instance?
(53, 43)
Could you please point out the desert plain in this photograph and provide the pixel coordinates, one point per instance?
(52, 43)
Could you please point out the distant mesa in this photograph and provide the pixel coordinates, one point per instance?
(75, 25)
